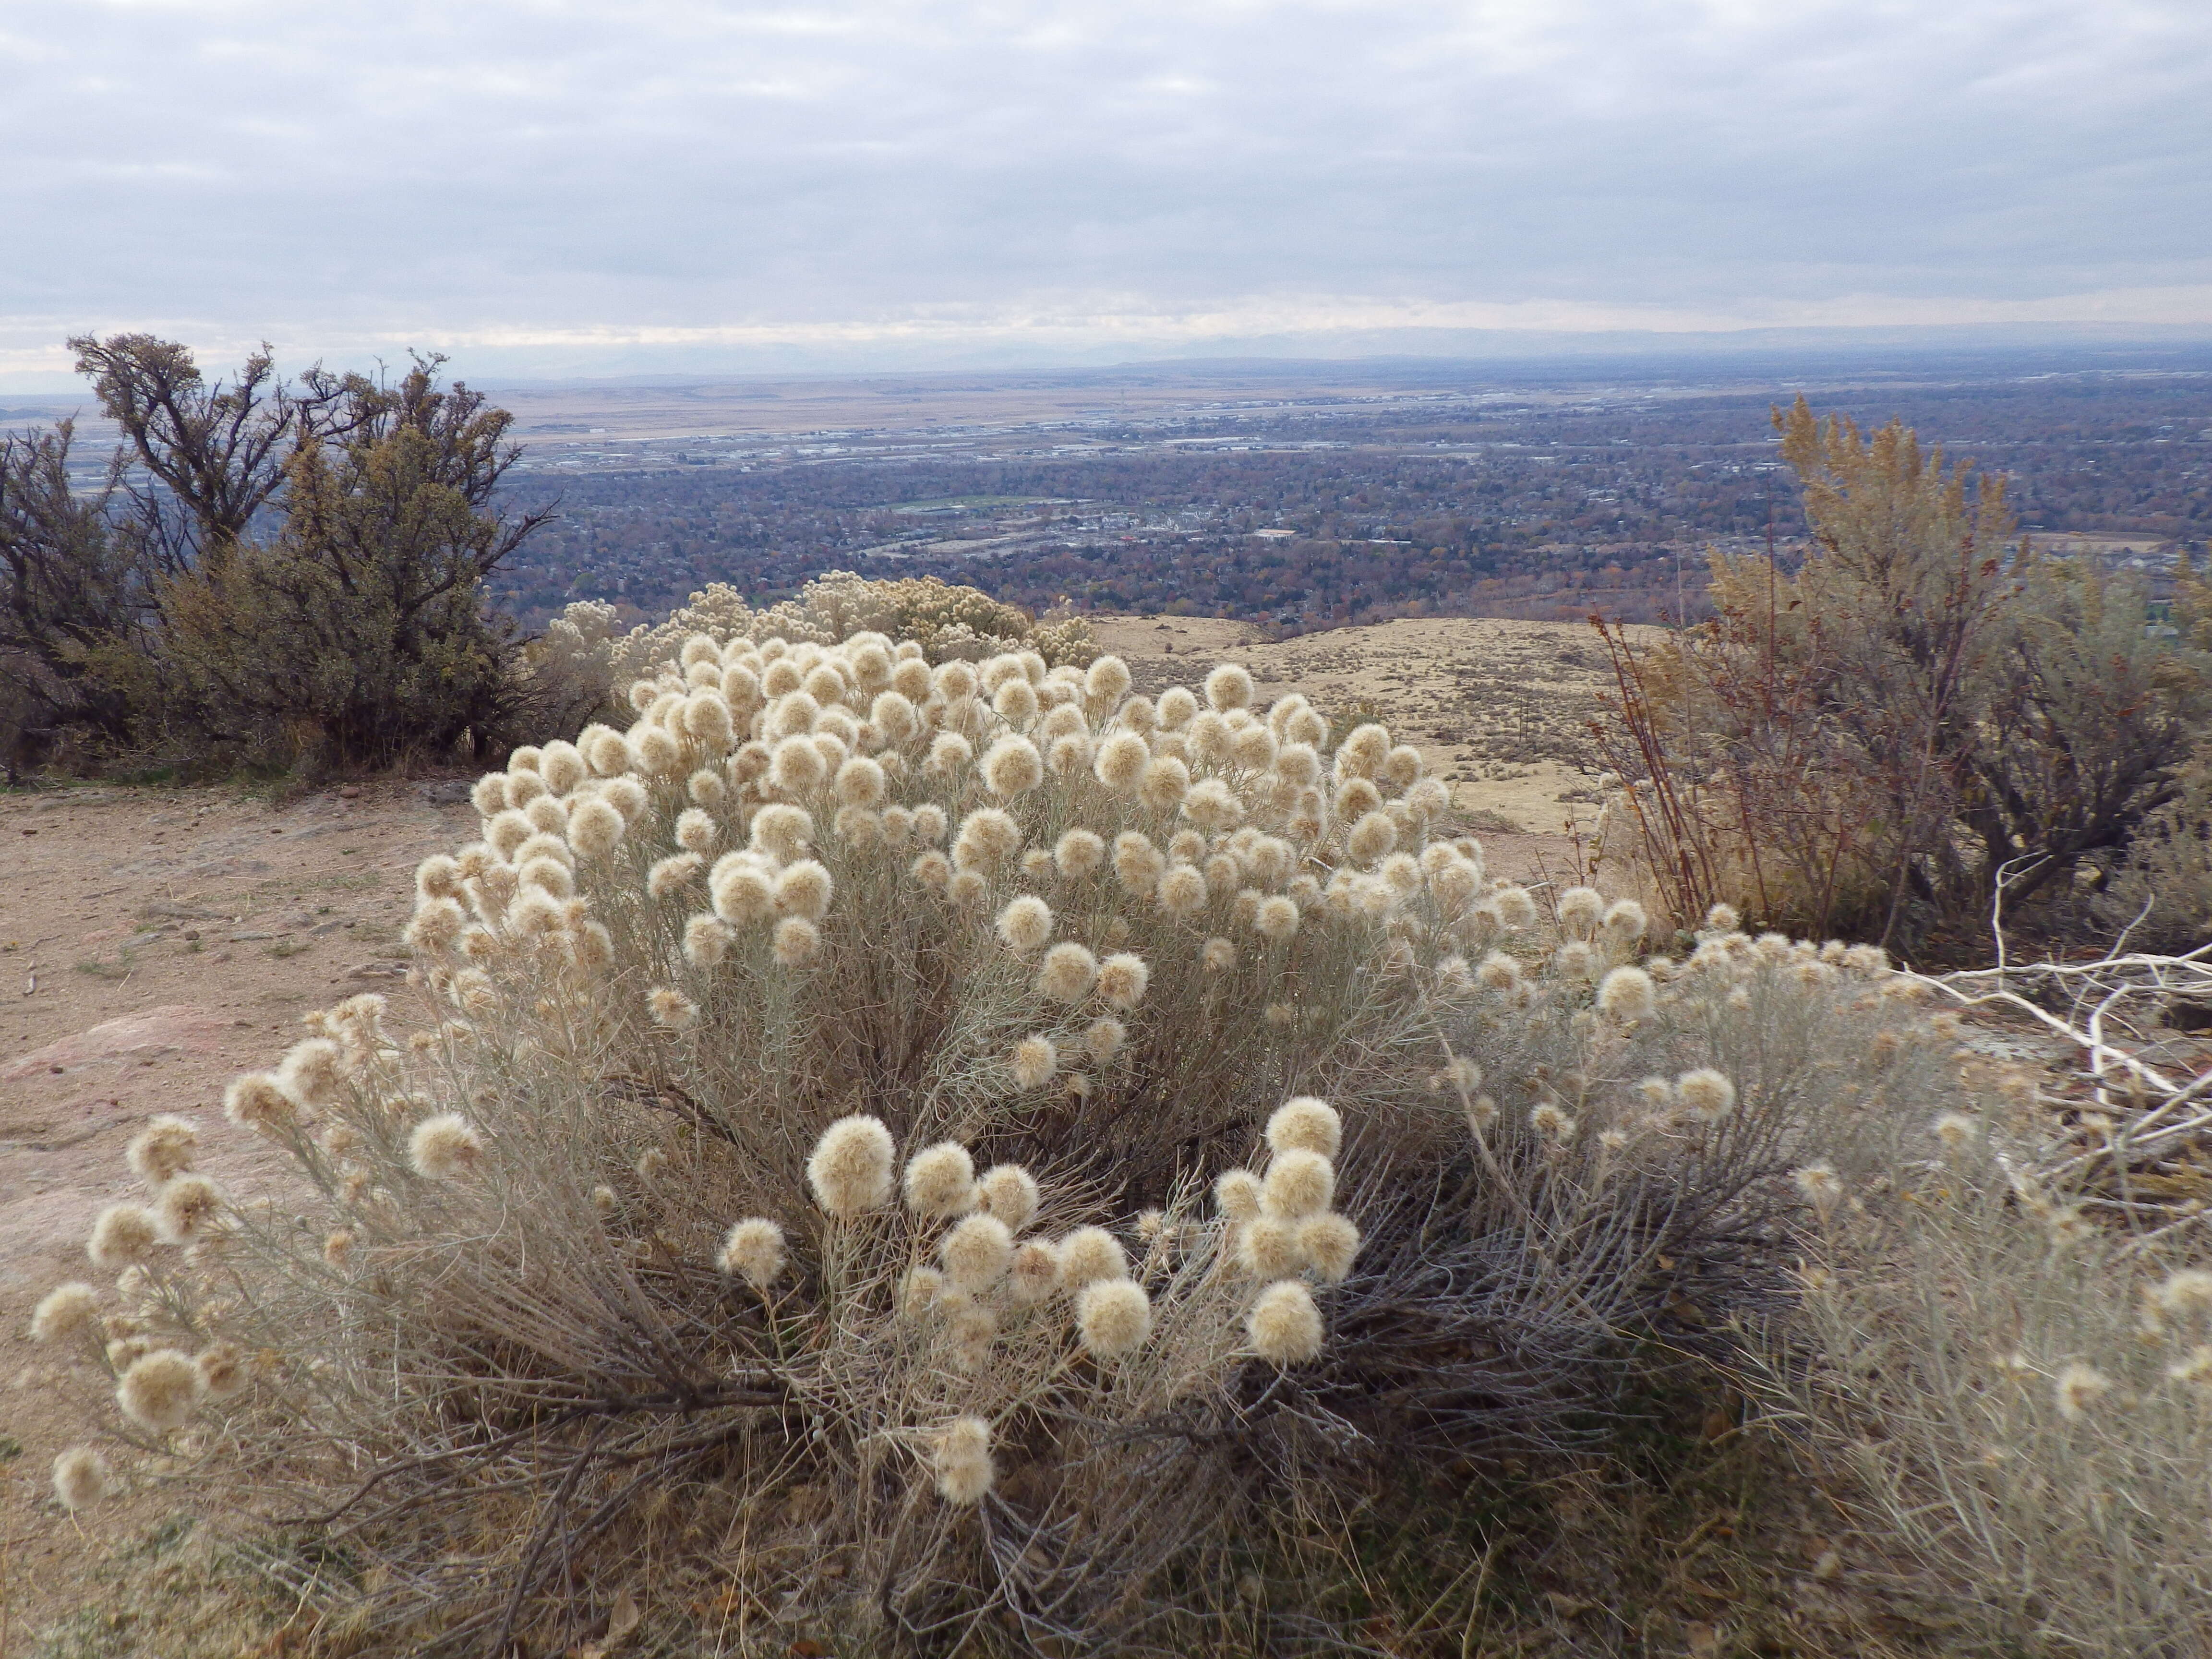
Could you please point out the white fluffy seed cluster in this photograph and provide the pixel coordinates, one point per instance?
(764, 779)
(1282, 1230)
(986, 1274)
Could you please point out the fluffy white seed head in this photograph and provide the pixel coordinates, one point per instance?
(1035, 1274)
(651, 751)
(2185, 1293)
(742, 887)
(1113, 1317)
(1016, 701)
(782, 832)
(627, 796)
(962, 1460)
(1123, 979)
(1230, 686)
(1820, 1186)
(1373, 837)
(796, 942)
(64, 1312)
(1182, 891)
(1306, 1124)
(804, 889)
(82, 1478)
(940, 1181)
(222, 1370)
(1284, 1325)
(850, 1168)
(1067, 973)
(797, 766)
(1009, 1192)
(161, 1390)
(697, 830)
(988, 838)
(1627, 994)
(1276, 918)
(1035, 1059)
(1268, 1246)
(1330, 1243)
(670, 1009)
(1553, 1122)
(1625, 920)
(976, 1254)
(1515, 908)
(1581, 910)
(122, 1234)
(163, 1149)
(606, 750)
(1089, 1254)
(1705, 1094)
(1078, 852)
(948, 754)
(753, 1250)
(1299, 1182)
(1104, 1037)
(1253, 747)
(188, 1208)
(1121, 761)
(1025, 925)
(444, 1146)
(706, 940)
(1212, 806)
(1105, 683)
(1137, 862)
(1165, 782)
(2079, 1390)
(596, 827)
(1011, 767)
(1237, 1195)
(1956, 1130)
(860, 782)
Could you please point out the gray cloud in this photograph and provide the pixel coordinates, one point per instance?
(540, 182)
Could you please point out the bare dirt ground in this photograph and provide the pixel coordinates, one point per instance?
(155, 943)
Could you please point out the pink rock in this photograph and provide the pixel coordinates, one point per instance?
(167, 1030)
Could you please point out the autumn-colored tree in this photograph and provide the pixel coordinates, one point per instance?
(1925, 716)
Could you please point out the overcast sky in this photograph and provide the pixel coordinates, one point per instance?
(543, 187)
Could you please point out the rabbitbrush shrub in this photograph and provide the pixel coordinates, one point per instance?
(2015, 1378)
(959, 1151)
